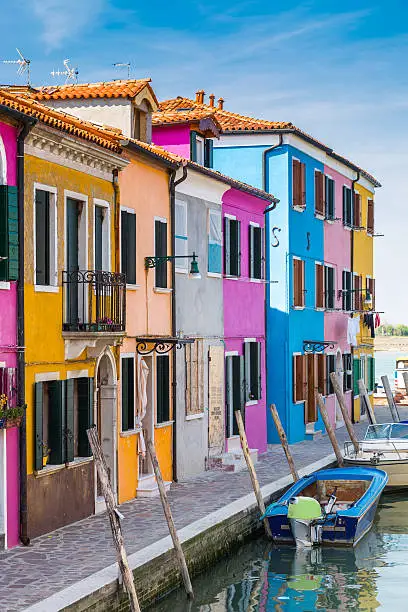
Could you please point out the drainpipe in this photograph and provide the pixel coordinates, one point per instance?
(116, 208)
(173, 185)
(28, 125)
(352, 260)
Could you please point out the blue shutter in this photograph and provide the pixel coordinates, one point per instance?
(193, 146)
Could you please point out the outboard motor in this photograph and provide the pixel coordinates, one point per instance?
(303, 512)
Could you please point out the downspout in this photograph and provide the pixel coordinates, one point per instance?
(352, 269)
(28, 125)
(173, 185)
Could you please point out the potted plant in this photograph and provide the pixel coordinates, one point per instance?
(10, 416)
(45, 453)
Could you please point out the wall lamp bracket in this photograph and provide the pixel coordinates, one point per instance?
(154, 262)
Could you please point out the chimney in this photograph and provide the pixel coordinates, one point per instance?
(212, 98)
(220, 103)
(200, 96)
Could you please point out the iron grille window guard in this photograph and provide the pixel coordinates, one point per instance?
(94, 301)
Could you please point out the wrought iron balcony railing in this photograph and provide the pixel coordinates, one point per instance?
(94, 301)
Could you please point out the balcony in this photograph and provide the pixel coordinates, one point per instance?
(94, 310)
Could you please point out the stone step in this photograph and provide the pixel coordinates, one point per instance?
(232, 461)
(148, 488)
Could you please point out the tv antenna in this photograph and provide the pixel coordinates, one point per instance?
(71, 74)
(23, 65)
(123, 65)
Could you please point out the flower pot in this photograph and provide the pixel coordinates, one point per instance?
(45, 460)
(16, 422)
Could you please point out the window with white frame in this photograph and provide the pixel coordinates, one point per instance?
(256, 251)
(214, 241)
(181, 236)
(101, 236)
(45, 220)
(128, 245)
(252, 356)
(232, 246)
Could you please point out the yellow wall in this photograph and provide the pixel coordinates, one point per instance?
(363, 264)
(144, 188)
(45, 350)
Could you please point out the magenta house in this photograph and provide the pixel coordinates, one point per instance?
(9, 437)
(244, 317)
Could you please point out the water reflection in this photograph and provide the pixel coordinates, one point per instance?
(265, 578)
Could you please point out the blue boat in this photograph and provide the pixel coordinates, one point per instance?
(334, 507)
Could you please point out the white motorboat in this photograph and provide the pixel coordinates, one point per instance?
(385, 446)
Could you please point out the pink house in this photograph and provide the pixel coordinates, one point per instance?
(337, 254)
(9, 438)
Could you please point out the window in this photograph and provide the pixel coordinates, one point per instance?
(252, 355)
(234, 392)
(356, 375)
(321, 373)
(329, 196)
(370, 288)
(214, 242)
(201, 150)
(299, 378)
(42, 237)
(128, 246)
(128, 393)
(358, 295)
(232, 247)
(141, 125)
(298, 283)
(63, 413)
(8, 385)
(160, 240)
(256, 248)
(162, 389)
(370, 217)
(347, 207)
(319, 285)
(357, 210)
(181, 236)
(330, 287)
(330, 367)
(319, 193)
(8, 233)
(347, 295)
(195, 377)
(298, 184)
(347, 372)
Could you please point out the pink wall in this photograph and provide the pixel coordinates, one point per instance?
(244, 308)
(173, 138)
(9, 136)
(337, 251)
(13, 492)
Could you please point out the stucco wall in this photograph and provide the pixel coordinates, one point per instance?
(174, 138)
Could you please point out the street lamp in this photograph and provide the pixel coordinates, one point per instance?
(153, 262)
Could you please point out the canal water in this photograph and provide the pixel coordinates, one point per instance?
(262, 577)
(385, 364)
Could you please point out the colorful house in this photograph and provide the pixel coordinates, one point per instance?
(221, 220)
(309, 281)
(74, 313)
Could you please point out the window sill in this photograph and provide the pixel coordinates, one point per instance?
(298, 402)
(347, 227)
(162, 290)
(251, 402)
(49, 469)
(5, 285)
(319, 308)
(129, 433)
(161, 425)
(46, 288)
(132, 287)
(256, 280)
(78, 461)
(194, 417)
(319, 216)
(298, 307)
(214, 274)
(329, 221)
(228, 277)
(299, 208)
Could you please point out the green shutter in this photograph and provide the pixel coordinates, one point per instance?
(125, 394)
(56, 421)
(69, 419)
(238, 389)
(162, 389)
(193, 146)
(251, 250)
(247, 361)
(227, 242)
(257, 383)
(99, 213)
(85, 394)
(356, 375)
(38, 439)
(161, 251)
(8, 233)
(208, 153)
(371, 373)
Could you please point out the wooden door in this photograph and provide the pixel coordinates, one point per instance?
(312, 382)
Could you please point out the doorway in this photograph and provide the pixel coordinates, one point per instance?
(105, 417)
(145, 464)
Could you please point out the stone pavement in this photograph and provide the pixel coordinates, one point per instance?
(54, 561)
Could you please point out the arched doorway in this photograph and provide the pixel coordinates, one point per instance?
(106, 419)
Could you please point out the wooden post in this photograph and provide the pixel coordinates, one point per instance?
(114, 519)
(390, 399)
(405, 377)
(340, 398)
(251, 469)
(364, 397)
(284, 441)
(329, 429)
(169, 518)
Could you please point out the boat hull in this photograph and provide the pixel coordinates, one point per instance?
(397, 470)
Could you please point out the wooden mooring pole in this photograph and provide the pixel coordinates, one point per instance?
(390, 399)
(284, 441)
(329, 429)
(170, 522)
(114, 518)
(340, 398)
(251, 470)
(364, 398)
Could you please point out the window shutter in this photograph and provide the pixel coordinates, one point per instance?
(235, 242)
(124, 243)
(125, 394)
(302, 184)
(208, 153)
(356, 375)
(99, 212)
(370, 216)
(258, 259)
(321, 373)
(193, 146)
(85, 391)
(296, 183)
(329, 286)
(228, 393)
(227, 241)
(131, 249)
(251, 250)
(42, 237)
(38, 441)
(298, 282)
(258, 352)
(299, 379)
(372, 372)
(162, 388)
(242, 383)
(161, 251)
(56, 421)
(329, 197)
(69, 429)
(319, 286)
(319, 192)
(8, 233)
(357, 209)
(372, 291)
(247, 360)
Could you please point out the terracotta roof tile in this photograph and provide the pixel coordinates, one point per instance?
(129, 88)
(184, 115)
(62, 121)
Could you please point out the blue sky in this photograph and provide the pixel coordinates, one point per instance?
(335, 69)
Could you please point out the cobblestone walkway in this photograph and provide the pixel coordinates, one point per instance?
(67, 555)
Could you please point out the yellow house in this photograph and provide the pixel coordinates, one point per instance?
(74, 314)
(364, 287)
